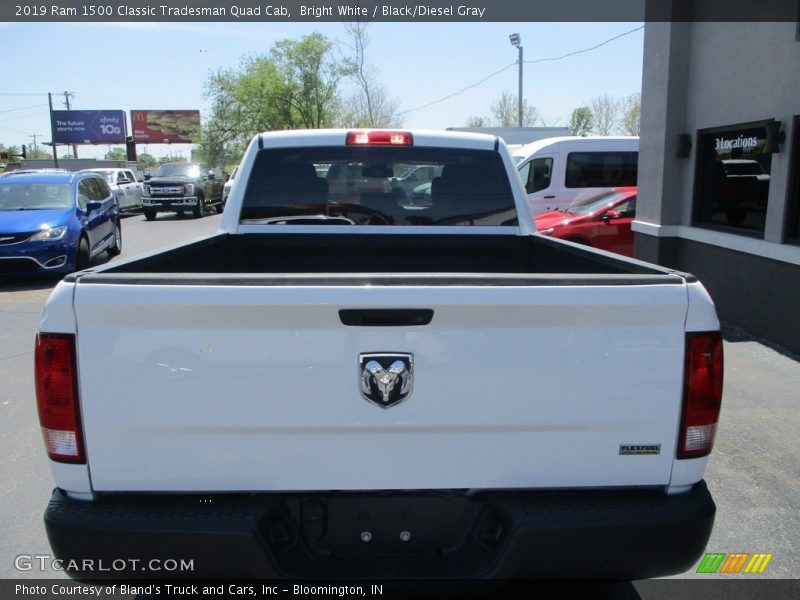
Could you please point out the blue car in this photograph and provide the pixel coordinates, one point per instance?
(56, 222)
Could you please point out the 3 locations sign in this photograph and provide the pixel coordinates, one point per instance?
(89, 126)
(165, 126)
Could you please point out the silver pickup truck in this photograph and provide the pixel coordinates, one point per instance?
(362, 387)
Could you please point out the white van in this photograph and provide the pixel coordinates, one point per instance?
(558, 171)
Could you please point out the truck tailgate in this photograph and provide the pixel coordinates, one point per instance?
(227, 387)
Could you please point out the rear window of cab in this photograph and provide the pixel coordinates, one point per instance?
(376, 185)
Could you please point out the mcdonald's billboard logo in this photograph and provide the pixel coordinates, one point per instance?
(734, 563)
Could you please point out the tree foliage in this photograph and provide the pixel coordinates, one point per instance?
(293, 86)
(631, 107)
(117, 154)
(581, 122)
(146, 161)
(12, 151)
(505, 111)
(370, 104)
(39, 153)
(478, 122)
(605, 109)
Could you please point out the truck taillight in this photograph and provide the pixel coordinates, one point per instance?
(57, 397)
(702, 396)
(379, 138)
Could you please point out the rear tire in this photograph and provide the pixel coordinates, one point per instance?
(150, 215)
(116, 248)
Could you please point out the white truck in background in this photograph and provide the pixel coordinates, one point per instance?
(366, 388)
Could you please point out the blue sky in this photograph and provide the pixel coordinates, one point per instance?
(128, 66)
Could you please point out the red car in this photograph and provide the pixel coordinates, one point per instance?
(602, 221)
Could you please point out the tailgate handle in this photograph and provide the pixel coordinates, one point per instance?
(385, 317)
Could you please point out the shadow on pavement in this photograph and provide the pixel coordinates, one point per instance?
(734, 334)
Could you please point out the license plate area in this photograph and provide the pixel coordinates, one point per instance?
(406, 525)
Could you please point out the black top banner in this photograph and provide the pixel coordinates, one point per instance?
(400, 10)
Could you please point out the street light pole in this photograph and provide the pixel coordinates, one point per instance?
(516, 40)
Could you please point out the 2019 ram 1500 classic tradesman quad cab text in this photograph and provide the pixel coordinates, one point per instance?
(363, 387)
(180, 187)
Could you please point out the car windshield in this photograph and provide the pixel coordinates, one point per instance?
(184, 169)
(107, 175)
(358, 186)
(35, 196)
(594, 203)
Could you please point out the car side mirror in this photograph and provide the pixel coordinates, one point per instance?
(123, 180)
(610, 214)
(93, 205)
(147, 176)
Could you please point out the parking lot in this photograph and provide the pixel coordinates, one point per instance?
(754, 472)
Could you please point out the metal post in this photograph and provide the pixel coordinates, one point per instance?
(516, 40)
(67, 96)
(519, 96)
(52, 131)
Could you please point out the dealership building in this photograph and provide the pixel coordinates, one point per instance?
(719, 166)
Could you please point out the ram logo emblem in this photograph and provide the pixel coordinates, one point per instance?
(385, 378)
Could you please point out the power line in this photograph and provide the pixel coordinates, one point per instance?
(540, 60)
(17, 117)
(515, 63)
(461, 91)
(22, 108)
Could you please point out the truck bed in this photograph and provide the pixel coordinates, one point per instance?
(389, 258)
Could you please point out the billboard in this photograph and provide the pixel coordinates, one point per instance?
(165, 126)
(89, 126)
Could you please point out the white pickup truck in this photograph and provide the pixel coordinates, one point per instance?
(365, 388)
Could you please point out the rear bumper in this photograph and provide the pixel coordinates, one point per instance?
(497, 535)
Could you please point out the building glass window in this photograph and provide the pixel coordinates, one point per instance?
(793, 201)
(733, 174)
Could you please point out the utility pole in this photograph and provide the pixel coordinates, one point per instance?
(34, 136)
(516, 40)
(67, 96)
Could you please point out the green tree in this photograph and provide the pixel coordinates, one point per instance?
(12, 151)
(117, 154)
(631, 107)
(146, 161)
(40, 153)
(294, 86)
(581, 121)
